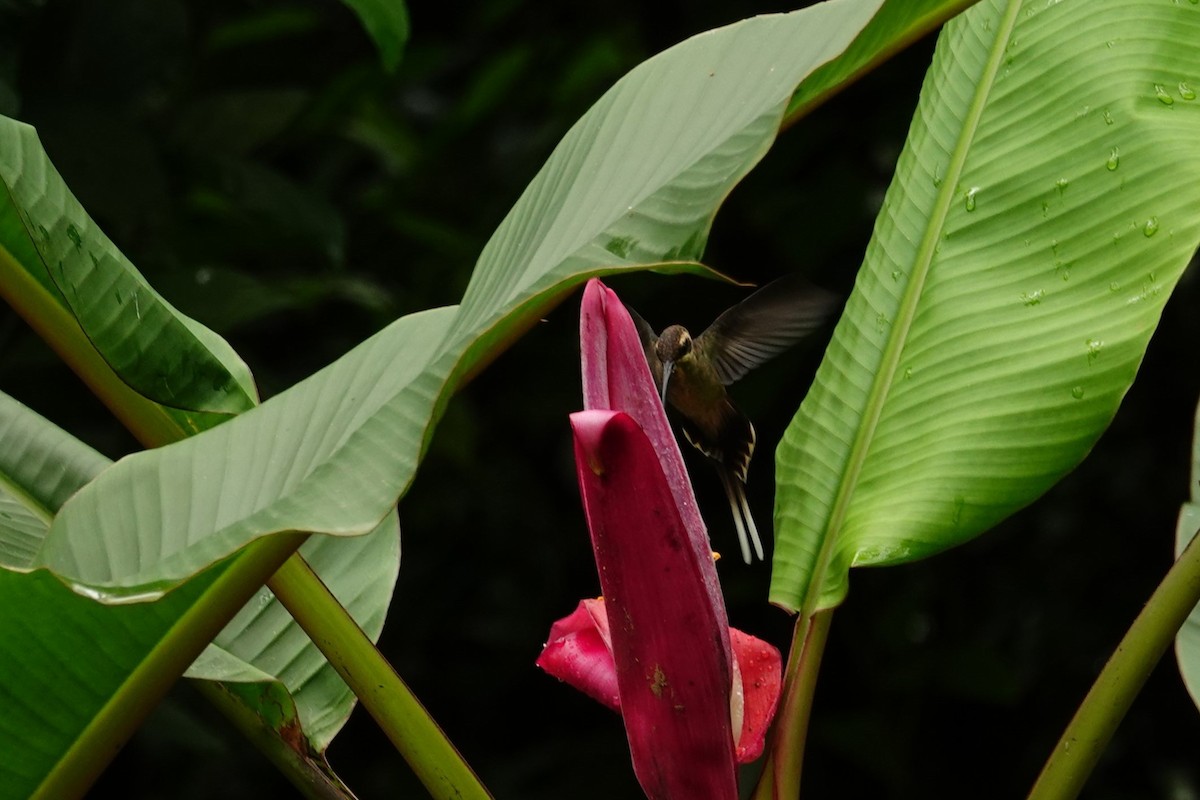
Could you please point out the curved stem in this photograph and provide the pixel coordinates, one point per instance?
(1076, 754)
(436, 762)
(218, 597)
(780, 778)
(307, 771)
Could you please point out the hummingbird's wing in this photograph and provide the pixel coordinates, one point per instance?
(763, 325)
(645, 332)
(729, 442)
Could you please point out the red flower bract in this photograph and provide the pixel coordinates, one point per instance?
(662, 624)
(579, 652)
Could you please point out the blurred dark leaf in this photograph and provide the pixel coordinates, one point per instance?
(272, 213)
(387, 23)
(237, 122)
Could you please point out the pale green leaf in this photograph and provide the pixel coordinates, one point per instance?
(263, 643)
(51, 686)
(1044, 206)
(51, 252)
(635, 183)
(898, 24)
(1187, 641)
(41, 465)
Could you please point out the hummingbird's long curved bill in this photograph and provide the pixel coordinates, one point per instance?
(667, 368)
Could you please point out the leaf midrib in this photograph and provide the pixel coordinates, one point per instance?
(909, 301)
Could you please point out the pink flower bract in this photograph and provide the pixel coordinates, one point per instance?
(658, 646)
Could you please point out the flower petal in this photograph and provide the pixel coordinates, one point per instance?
(616, 377)
(760, 668)
(579, 653)
(670, 639)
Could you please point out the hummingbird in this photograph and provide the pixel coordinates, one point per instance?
(691, 374)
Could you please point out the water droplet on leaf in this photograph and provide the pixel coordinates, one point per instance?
(1151, 227)
(1114, 159)
(1162, 95)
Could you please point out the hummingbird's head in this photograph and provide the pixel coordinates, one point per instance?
(674, 346)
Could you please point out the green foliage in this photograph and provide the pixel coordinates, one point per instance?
(50, 247)
(333, 454)
(1041, 213)
(387, 22)
(1187, 643)
(297, 204)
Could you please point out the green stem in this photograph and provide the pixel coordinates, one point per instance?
(1079, 749)
(780, 778)
(307, 771)
(397, 711)
(96, 745)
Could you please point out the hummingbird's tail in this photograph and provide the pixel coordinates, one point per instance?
(747, 531)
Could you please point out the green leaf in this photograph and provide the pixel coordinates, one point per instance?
(60, 713)
(634, 184)
(53, 686)
(1187, 642)
(898, 24)
(47, 692)
(40, 466)
(53, 254)
(263, 644)
(1043, 208)
(387, 23)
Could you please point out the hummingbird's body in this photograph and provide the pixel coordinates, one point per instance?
(692, 373)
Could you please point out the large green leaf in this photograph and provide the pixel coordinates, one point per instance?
(74, 674)
(263, 644)
(1187, 642)
(40, 201)
(898, 24)
(635, 183)
(53, 254)
(1044, 206)
(41, 465)
(49, 684)
(47, 690)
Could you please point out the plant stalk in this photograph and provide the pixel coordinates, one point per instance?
(780, 779)
(112, 726)
(415, 734)
(1077, 752)
(307, 771)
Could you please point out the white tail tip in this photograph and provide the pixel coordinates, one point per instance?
(747, 531)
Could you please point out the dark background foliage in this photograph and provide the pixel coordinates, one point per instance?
(266, 174)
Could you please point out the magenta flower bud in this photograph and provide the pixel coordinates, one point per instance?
(666, 663)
